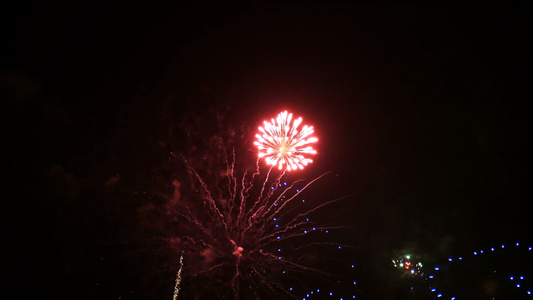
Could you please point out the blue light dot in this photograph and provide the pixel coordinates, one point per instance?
(518, 285)
(340, 247)
(355, 282)
(305, 231)
(529, 292)
(503, 246)
(330, 293)
(353, 296)
(303, 200)
(431, 276)
(475, 253)
(290, 289)
(277, 225)
(453, 298)
(491, 249)
(318, 290)
(460, 258)
(297, 191)
(327, 231)
(437, 268)
(279, 257)
(353, 266)
(521, 277)
(517, 244)
(285, 183)
(450, 259)
(275, 219)
(279, 238)
(529, 248)
(433, 289)
(279, 250)
(439, 295)
(512, 278)
(280, 184)
(314, 228)
(481, 251)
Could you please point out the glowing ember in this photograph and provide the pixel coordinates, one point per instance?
(282, 143)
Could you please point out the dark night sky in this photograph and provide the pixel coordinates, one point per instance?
(421, 110)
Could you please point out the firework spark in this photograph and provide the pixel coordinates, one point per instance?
(245, 234)
(282, 143)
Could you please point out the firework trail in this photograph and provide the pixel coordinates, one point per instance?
(232, 231)
(178, 279)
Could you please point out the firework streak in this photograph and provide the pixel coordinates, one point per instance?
(242, 233)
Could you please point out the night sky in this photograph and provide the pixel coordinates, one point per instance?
(421, 111)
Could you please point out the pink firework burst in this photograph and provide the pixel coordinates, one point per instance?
(282, 143)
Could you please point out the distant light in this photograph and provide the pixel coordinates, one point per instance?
(431, 276)
(521, 277)
(475, 253)
(439, 295)
(460, 258)
(512, 278)
(330, 293)
(453, 298)
(518, 285)
(353, 266)
(450, 259)
(529, 292)
(481, 251)
(433, 289)
(492, 249)
(517, 244)
(437, 268)
(290, 289)
(408, 256)
(340, 247)
(355, 282)
(503, 246)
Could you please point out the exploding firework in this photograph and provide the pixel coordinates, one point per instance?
(247, 234)
(282, 143)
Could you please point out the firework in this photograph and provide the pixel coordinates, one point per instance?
(282, 143)
(489, 272)
(249, 235)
